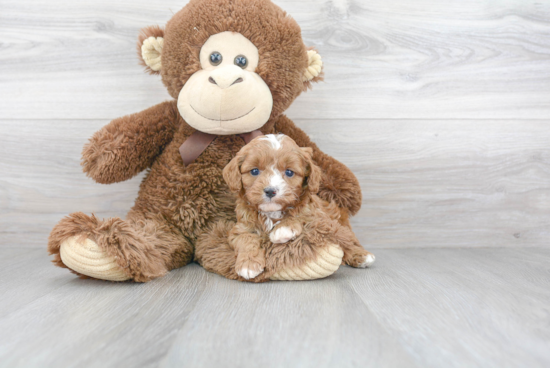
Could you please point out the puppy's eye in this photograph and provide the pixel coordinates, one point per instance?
(254, 172)
(215, 58)
(289, 173)
(241, 61)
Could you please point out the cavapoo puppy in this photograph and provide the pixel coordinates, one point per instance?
(281, 222)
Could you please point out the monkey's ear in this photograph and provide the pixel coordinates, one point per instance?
(150, 43)
(314, 70)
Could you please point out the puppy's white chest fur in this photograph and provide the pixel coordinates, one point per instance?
(272, 219)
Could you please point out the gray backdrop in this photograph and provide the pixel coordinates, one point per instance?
(441, 109)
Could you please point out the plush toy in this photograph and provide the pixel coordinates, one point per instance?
(233, 67)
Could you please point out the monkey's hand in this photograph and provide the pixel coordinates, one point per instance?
(128, 145)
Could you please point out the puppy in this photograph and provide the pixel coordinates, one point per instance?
(281, 221)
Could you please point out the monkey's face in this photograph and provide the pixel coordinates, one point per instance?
(234, 66)
(226, 96)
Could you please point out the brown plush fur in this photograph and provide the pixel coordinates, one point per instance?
(182, 207)
(314, 222)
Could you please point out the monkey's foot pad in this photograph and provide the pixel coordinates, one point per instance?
(327, 262)
(87, 258)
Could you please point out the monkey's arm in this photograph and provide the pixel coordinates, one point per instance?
(128, 145)
(338, 183)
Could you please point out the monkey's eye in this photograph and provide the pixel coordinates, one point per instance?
(241, 61)
(289, 173)
(215, 58)
(254, 172)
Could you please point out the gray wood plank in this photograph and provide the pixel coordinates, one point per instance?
(416, 307)
(319, 323)
(398, 59)
(469, 183)
(26, 275)
(445, 183)
(460, 307)
(92, 323)
(42, 180)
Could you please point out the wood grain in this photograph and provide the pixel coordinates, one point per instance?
(383, 59)
(42, 180)
(425, 183)
(462, 307)
(414, 308)
(26, 276)
(321, 323)
(446, 183)
(90, 323)
(440, 108)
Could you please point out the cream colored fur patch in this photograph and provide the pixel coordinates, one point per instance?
(87, 258)
(213, 102)
(315, 65)
(275, 140)
(151, 50)
(327, 262)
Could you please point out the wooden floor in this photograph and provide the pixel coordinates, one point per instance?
(479, 307)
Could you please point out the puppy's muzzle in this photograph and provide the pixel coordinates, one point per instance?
(270, 192)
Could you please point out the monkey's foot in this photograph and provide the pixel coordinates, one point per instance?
(327, 262)
(87, 258)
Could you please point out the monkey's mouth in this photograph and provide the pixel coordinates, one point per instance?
(220, 120)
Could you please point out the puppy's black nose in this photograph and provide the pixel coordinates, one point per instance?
(270, 192)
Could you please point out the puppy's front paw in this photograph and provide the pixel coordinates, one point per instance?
(281, 235)
(362, 260)
(367, 260)
(250, 269)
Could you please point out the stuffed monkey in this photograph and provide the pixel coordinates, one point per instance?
(232, 67)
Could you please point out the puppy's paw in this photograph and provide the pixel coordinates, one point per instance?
(361, 260)
(281, 235)
(250, 269)
(367, 260)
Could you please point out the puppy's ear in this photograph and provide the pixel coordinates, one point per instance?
(232, 174)
(314, 178)
(313, 175)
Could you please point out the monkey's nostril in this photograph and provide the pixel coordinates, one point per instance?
(239, 80)
(211, 80)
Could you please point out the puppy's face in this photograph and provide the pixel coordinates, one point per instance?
(272, 173)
